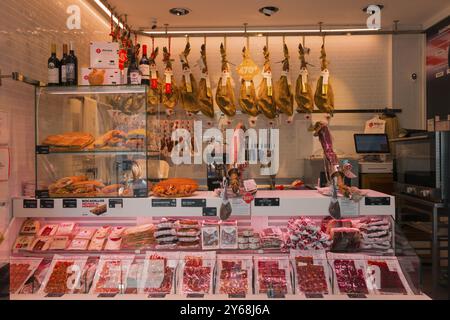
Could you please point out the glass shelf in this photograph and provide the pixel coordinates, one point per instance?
(84, 90)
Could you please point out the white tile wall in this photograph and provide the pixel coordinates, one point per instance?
(27, 29)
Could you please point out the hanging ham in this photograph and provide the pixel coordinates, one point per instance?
(188, 89)
(225, 94)
(324, 97)
(247, 97)
(154, 91)
(205, 97)
(303, 90)
(170, 90)
(284, 97)
(266, 101)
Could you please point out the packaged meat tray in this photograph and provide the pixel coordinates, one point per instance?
(35, 281)
(139, 237)
(41, 244)
(384, 276)
(158, 276)
(228, 234)
(273, 275)
(311, 271)
(111, 274)
(349, 273)
(235, 275)
(65, 229)
(64, 275)
(23, 243)
(78, 245)
(87, 276)
(85, 233)
(21, 269)
(59, 243)
(376, 233)
(134, 277)
(30, 227)
(271, 238)
(48, 230)
(196, 272)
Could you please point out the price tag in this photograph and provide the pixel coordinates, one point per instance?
(113, 203)
(30, 204)
(187, 78)
(196, 295)
(357, 296)
(304, 74)
(164, 203)
(157, 295)
(209, 212)
(377, 201)
(70, 203)
(107, 295)
(349, 208)
(42, 149)
(225, 76)
(193, 203)
(140, 193)
(54, 295)
(267, 202)
(47, 204)
(314, 295)
(237, 296)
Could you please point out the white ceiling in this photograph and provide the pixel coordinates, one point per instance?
(233, 13)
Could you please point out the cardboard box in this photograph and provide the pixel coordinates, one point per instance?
(104, 55)
(109, 76)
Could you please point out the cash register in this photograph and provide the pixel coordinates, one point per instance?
(375, 163)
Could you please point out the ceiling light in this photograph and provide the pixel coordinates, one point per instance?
(179, 11)
(269, 10)
(108, 12)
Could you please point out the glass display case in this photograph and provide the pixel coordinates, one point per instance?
(91, 141)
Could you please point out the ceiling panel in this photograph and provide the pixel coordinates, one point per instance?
(233, 13)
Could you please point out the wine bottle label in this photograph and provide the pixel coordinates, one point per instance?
(135, 77)
(53, 74)
(70, 72)
(63, 74)
(145, 71)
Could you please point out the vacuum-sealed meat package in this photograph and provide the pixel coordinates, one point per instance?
(349, 273)
(111, 274)
(87, 276)
(158, 275)
(64, 275)
(273, 275)
(306, 234)
(210, 235)
(196, 272)
(228, 234)
(234, 276)
(384, 276)
(34, 283)
(376, 233)
(21, 269)
(311, 271)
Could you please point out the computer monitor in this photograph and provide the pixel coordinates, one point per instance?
(371, 143)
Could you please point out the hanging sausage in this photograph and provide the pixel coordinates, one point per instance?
(324, 97)
(170, 90)
(205, 97)
(284, 97)
(225, 95)
(247, 98)
(154, 91)
(266, 101)
(188, 89)
(303, 90)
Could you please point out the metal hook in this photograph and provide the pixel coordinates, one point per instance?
(246, 35)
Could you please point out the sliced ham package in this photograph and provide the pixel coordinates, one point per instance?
(273, 275)
(64, 275)
(158, 275)
(21, 269)
(234, 275)
(349, 273)
(111, 274)
(384, 276)
(311, 272)
(196, 272)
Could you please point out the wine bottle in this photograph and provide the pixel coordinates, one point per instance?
(53, 66)
(72, 67)
(64, 66)
(134, 76)
(144, 66)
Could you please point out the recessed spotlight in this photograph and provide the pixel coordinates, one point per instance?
(269, 11)
(260, 34)
(179, 11)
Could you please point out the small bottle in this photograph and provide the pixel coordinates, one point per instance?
(144, 67)
(72, 67)
(64, 66)
(53, 67)
(134, 76)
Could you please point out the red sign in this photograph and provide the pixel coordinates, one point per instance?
(248, 197)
